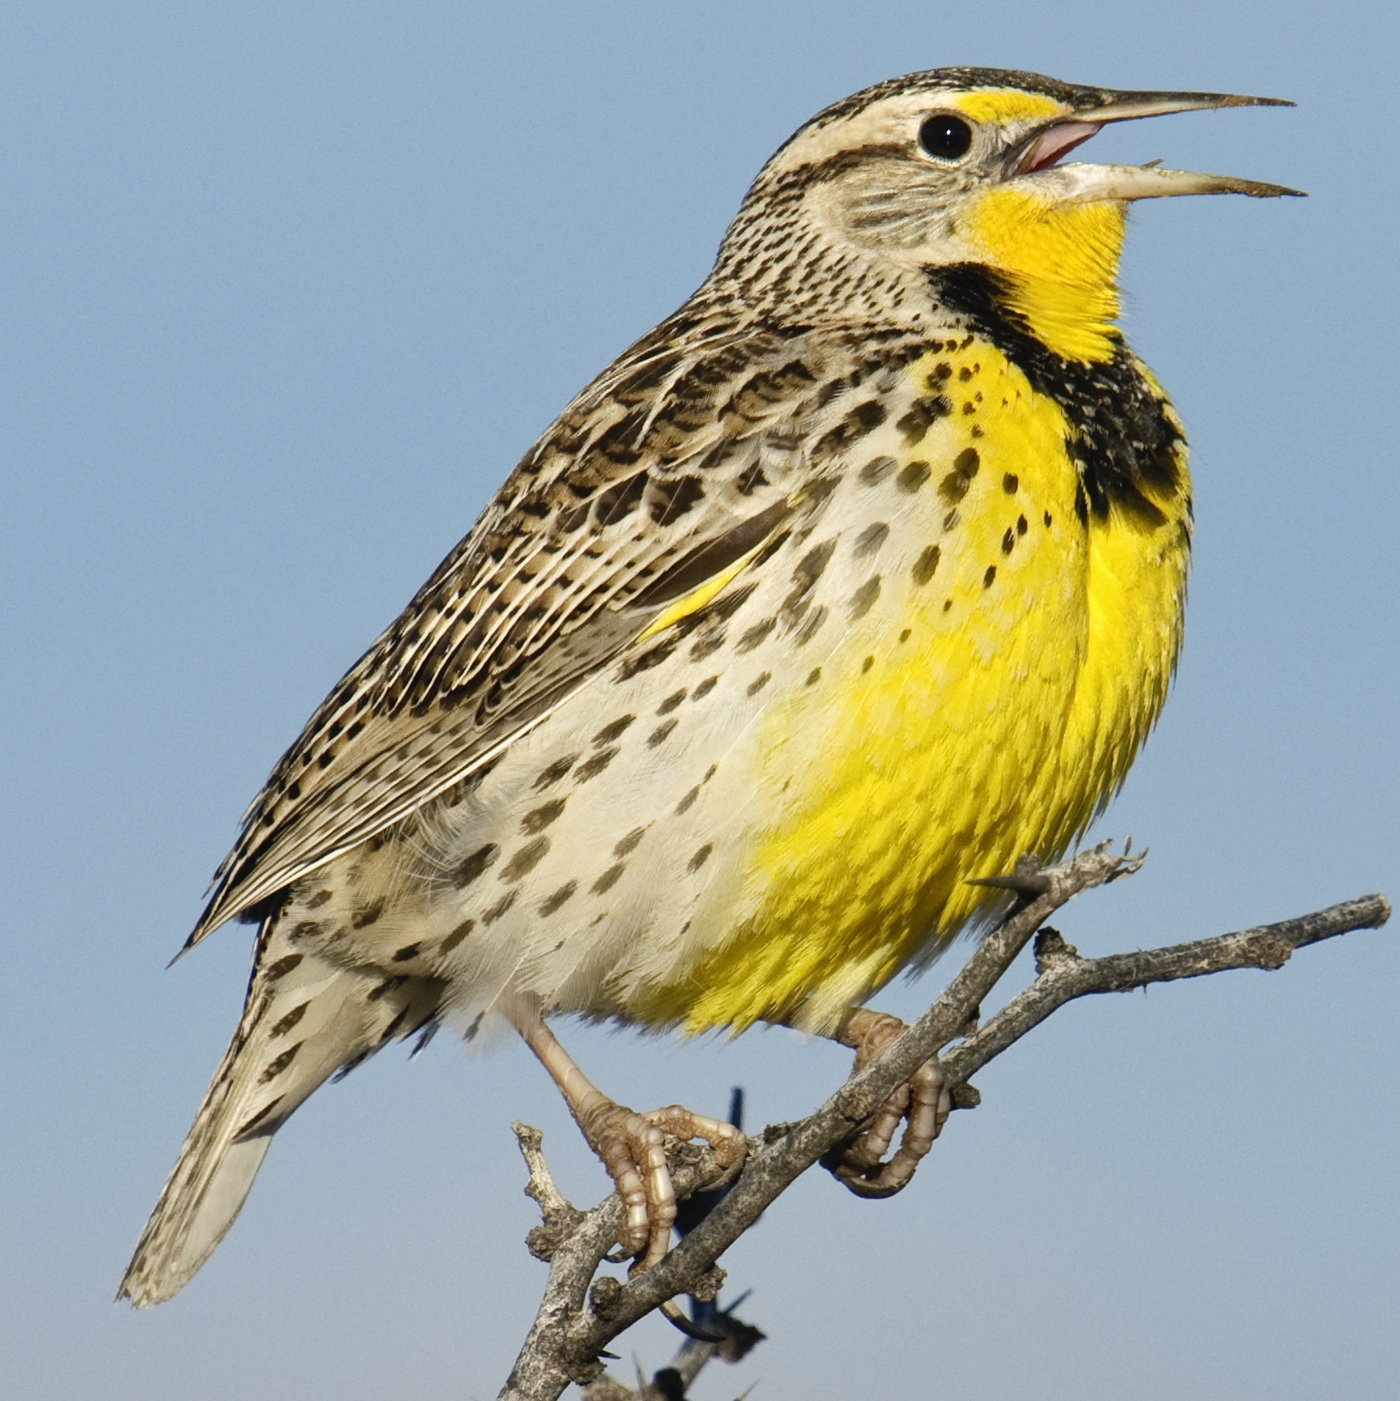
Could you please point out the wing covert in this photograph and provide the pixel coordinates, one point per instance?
(675, 464)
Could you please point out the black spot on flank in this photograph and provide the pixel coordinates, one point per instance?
(969, 407)
(283, 966)
(290, 1020)
(688, 801)
(277, 1066)
(704, 688)
(710, 773)
(701, 856)
(862, 419)
(863, 600)
(868, 415)
(457, 935)
(542, 816)
(989, 576)
(614, 731)
(1049, 520)
(1009, 483)
(947, 604)
(671, 702)
(954, 486)
(477, 862)
(951, 519)
(814, 676)
(595, 765)
(658, 735)
(925, 566)
(1008, 540)
(755, 635)
(870, 539)
(525, 860)
(362, 918)
(558, 898)
(810, 624)
(906, 634)
(318, 899)
(500, 907)
(759, 682)
(867, 664)
(608, 879)
(555, 771)
(965, 374)
(306, 929)
(913, 475)
(1081, 504)
(388, 985)
(653, 656)
(939, 375)
(915, 424)
(876, 470)
(408, 951)
(1021, 525)
(629, 843)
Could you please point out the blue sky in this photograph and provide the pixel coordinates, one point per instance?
(284, 291)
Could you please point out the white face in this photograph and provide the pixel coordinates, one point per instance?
(995, 126)
(895, 176)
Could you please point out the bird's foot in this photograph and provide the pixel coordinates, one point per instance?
(632, 1148)
(922, 1103)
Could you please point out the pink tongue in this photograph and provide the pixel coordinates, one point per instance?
(1058, 141)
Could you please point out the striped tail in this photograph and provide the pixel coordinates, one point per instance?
(305, 1019)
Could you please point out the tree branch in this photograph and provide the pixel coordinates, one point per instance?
(575, 1323)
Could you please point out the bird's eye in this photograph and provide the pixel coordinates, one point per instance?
(945, 137)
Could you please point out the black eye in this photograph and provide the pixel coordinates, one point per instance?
(945, 137)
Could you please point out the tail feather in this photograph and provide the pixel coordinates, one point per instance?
(305, 1019)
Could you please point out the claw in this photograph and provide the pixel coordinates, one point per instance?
(922, 1103)
(632, 1146)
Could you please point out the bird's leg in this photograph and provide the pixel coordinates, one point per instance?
(631, 1145)
(922, 1103)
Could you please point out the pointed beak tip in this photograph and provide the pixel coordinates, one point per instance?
(1234, 101)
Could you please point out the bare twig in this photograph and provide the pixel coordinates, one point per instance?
(1065, 976)
(575, 1323)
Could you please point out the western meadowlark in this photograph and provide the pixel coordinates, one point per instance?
(857, 577)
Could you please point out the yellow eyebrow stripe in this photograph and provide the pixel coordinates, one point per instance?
(1005, 105)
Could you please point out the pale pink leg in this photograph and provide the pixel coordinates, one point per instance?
(923, 1101)
(631, 1145)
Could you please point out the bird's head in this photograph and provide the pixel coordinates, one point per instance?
(961, 166)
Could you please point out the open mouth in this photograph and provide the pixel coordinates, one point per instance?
(1050, 145)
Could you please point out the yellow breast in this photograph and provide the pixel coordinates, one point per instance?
(989, 704)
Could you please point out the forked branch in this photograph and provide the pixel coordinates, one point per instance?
(576, 1322)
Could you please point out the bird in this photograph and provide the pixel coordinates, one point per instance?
(859, 576)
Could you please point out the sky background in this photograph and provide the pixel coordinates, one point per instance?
(285, 289)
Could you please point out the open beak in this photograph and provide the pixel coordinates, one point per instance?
(1038, 156)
